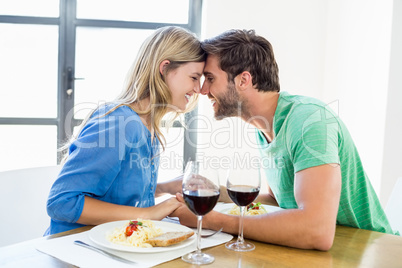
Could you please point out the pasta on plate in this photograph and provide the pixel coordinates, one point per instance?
(252, 210)
(135, 234)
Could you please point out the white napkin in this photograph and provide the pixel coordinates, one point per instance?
(64, 249)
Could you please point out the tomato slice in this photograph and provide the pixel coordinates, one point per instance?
(131, 228)
(129, 231)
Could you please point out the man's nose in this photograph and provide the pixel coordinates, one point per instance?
(204, 89)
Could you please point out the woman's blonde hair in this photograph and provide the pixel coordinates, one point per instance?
(144, 79)
(175, 44)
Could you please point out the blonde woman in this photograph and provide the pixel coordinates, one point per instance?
(110, 172)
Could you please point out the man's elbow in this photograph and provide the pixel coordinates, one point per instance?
(323, 240)
(324, 244)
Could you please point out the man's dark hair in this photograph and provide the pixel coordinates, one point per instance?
(243, 50)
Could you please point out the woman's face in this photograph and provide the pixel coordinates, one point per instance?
(183, 82)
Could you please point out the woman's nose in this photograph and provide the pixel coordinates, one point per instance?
(197, 88)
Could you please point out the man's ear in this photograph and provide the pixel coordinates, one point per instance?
(163, 66)
(244, 80)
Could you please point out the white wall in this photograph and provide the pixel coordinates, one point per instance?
(392, 160)
(357, 67)
(334, 50)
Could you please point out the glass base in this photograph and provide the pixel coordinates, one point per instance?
(198, 258)
(236, 246)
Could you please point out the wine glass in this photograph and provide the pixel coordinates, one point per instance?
(200, 192)
(243, 186)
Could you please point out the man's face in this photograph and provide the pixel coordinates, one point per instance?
(223, 95)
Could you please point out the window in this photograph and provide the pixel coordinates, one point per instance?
(62, 58)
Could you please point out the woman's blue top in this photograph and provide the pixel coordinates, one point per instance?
(113, 160)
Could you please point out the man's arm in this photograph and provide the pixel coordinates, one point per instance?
(172, 187)
(267, 198)
(310, 226)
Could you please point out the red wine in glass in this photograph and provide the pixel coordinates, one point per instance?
(201, 193)
(243, 195)
(201, 202)
(243, 186)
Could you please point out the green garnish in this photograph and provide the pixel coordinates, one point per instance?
(254, 206)
(135, 223)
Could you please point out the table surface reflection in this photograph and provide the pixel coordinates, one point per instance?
(352, 248)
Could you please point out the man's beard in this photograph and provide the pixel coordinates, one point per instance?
(230, 104)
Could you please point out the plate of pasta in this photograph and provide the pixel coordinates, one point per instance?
(253, 210)
(134, 235)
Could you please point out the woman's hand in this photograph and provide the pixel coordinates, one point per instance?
(165, 208)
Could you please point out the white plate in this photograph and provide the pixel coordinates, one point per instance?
(226, 207)
(98, 235)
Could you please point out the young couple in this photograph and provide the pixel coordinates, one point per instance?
(322, 182)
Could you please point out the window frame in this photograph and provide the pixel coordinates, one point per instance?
(68, 22)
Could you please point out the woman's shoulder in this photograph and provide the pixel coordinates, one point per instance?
(116, 113)
(114, 109)
(113, 115)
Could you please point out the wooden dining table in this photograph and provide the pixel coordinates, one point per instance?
(352, 248)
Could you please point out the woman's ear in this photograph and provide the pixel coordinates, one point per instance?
(163, 66)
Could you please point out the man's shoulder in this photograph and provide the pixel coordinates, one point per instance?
(293, 111)
(300, 101)
(301, 108)
(305, 117)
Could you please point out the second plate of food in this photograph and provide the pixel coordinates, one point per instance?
(231, 208)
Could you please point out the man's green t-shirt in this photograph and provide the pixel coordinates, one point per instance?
(307, 134)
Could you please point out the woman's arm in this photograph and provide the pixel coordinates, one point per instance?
(97, 212)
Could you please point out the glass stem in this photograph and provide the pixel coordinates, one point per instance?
(199, 229)
(240, 238)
